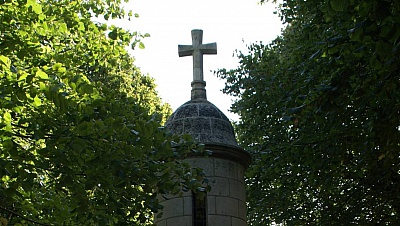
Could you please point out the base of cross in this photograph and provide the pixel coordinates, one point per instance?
(198, 90)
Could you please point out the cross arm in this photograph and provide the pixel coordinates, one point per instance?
(209, 48)
(185, 50)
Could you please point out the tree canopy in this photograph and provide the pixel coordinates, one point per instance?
(320, 112)
(81, 136)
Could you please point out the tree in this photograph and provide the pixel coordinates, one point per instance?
(319, 111)
(81, 141)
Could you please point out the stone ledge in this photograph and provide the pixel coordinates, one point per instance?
(230, 152)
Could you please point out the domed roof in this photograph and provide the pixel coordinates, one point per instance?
(204, 122)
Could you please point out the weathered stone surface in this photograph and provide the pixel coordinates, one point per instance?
(201, 125)
(242, 210)
(210, 112)
(211, 205)
(219, 186)
(180, 221)
(187, 206)
(187, 112)
(216, 220)
(204, 121)
(237, 189)
(227, 206)
(177, 203)
(241, 171)
(226, 168)
(162, 223)
(207, 164)
(238, 222)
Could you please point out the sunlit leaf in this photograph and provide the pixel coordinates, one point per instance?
(7, 117)
(41, 74)
(36, 101)
(5, 61)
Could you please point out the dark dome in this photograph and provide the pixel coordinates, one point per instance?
(204, 121)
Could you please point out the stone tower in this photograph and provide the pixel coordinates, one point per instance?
(225, 204)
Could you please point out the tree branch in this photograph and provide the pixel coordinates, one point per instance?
(23, 217)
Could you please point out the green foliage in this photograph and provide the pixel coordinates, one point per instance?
(81, 141)
(320, 112)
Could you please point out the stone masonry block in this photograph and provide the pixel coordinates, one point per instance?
(217, 220)
(226, 168)
(211, 205)
(237, 190)
(172, 208)
(190, 110)
(177, 126)
(187, 194)
(207, 164)
(187, 205)
(162, 223)
(209, 111)
(198, 126)
(227, 206)
(240, 171)
(180, 221)
(238, 222)
(219, 186)
(222, 127)
(242, 210)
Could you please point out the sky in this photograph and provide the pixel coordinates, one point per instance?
(232, 24)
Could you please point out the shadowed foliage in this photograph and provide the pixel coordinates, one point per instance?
(320, 112)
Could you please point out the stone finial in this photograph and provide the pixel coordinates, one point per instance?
(197, 49)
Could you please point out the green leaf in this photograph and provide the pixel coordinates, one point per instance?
(56, 66)
(141, 45)
(7, 117)
(383, 49)
(36, 101)
(375, 62)
(62, 70)
(23, 76)
(21, 94)
(18, 109)
(43, 86)
(62, 27)
(357, 34)
(88, 89)
(41, 74)
(5, 60)
(41, 16)
(37, 8)
(339, 5)
(7, 144)
(113, 35)
(30, 2)
(81, 26)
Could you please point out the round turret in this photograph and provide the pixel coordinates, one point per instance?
(225, 203)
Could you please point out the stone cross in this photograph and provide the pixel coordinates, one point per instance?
(197, 49)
